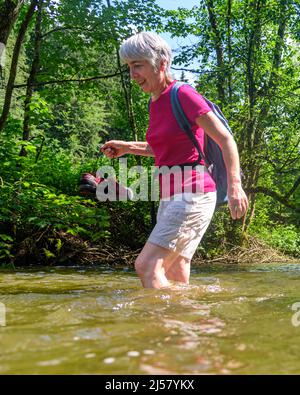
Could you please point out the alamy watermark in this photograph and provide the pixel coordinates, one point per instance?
(2, 314)
(147, 184)
(296, 316)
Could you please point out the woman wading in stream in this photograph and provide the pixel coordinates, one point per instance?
(185, 210)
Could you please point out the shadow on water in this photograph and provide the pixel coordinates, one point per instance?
(231, 319)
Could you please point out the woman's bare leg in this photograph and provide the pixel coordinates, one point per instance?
(151, 265)
(179, 270)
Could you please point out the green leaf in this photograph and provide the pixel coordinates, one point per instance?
(5, 237)
(48, 253)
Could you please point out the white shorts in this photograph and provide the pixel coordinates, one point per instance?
(182, 222)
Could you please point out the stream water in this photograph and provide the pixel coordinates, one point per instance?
(98, 320)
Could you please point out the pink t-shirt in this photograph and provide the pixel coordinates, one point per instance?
(170, 144)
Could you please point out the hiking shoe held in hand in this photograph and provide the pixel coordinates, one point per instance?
(88, 184)
(104, 188)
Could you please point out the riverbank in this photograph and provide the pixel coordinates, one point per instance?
(61, 248)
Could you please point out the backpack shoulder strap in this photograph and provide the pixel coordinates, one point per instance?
(182, 120)
(217, 111)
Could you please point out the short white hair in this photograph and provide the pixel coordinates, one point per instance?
(149, 46)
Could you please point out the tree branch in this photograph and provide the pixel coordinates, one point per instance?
(57, 29)
(215, 71)
(281, 199)
(293, 189)
(96, 77)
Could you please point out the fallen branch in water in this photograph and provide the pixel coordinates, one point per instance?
(254, 252)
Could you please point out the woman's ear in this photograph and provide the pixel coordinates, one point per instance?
(163, 65)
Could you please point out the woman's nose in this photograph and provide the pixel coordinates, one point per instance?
(133, 74)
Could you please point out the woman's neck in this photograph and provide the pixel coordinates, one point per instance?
(163, 86)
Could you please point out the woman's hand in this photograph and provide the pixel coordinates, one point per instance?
(237, 201)
(115, 148)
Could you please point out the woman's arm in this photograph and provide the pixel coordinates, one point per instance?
(213, 127)
(117, 148)
(140, 148)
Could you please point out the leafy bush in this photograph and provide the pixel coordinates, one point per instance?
(286, 238)
(39, 193)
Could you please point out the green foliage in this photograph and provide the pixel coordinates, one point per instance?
(31, 206)
(37, 196)
(6, 244)
(285, 238)
(277, 230)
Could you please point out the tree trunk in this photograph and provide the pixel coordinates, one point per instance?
(269, 90)
(9, 12)
(250, 215)
(219, 51)
(126, 85)
(251, 164)
(256, 125)
(229, 50)
(14, 63)
(32, 76)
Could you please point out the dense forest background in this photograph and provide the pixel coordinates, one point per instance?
(64, 91)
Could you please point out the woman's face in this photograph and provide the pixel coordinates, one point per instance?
(143, 73)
